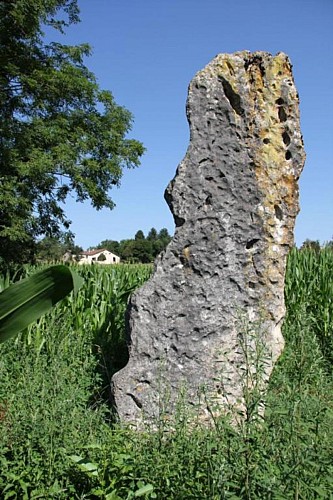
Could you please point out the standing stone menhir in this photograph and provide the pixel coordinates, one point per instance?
(234, 200)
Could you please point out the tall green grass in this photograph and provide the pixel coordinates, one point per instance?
(58, 438)
(95, 313)
(55, 382)
(309, 293)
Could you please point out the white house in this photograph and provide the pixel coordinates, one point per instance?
(100, 256)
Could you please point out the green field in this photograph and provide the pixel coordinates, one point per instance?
(59, 438)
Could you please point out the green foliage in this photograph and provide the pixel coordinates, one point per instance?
(140, 249)
(311, 245)
(152, 235)
(309, 292)
(60, 133)
(28, 299)
(106, 473)
(111, 245)
(54, 387)
(47, 411)
(57, 438)
(139, 235)
(52, 249)
(100, 308)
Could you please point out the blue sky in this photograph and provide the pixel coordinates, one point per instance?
(146, 52)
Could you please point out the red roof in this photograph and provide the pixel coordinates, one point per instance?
(94, 252)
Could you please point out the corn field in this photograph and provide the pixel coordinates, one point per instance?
(58, 433)
(100, 304)
(96, 313)
(309, 293)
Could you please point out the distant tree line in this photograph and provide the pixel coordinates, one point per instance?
(142, 248)
(54, 249)
(315, 245)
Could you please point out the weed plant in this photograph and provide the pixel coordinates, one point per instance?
(54, 381)
(58, 440)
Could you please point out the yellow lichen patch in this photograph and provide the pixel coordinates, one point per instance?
(264, 88)
(271, 107)
(271, 155)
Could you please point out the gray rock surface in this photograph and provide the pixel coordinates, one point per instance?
(218, 290)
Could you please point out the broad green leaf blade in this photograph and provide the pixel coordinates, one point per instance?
(148, 488)
(28, 299)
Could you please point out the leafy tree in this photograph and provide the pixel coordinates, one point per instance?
(158, 247)
(164, 235)
(152, 235)
(124, 252)
(60, 134)
(313, 244)
(139, 235)
(157, 244)
(138, 251)
(50, 249)
(111, 245)
(53, 248)
(75, 250)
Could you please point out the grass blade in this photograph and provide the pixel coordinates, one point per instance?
(28, 299)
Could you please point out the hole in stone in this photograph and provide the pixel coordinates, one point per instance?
(278, 212)
(288, 155)
(282, 114)
(286, 138)
(252, 285)
(279, 101)
(231, 69)
(251, 243)
(266, 141)
(232, 96)
(174, 348)
(179, 221)
(135, 399)
(257, 61)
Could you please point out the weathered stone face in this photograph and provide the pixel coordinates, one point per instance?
(234, 199)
